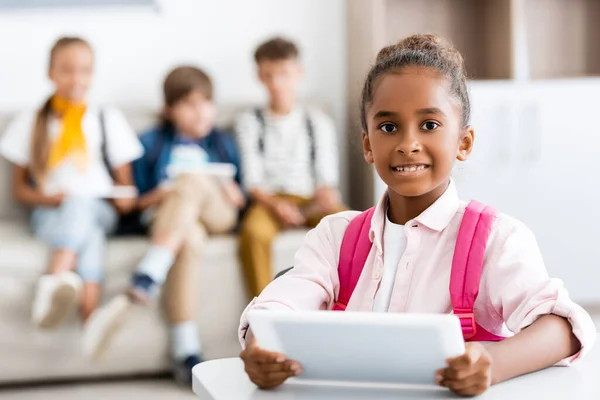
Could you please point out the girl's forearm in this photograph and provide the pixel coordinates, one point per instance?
(34, 198)
(547, 341)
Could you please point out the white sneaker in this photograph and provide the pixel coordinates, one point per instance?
(56, 296)
(103, 324)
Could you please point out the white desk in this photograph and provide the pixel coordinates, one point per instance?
(226, 380)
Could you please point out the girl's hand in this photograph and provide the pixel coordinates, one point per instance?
(125, 205)
(469, 374)
(267, 369)
(56, 200)
(328, 199)
(234, 194)
(288, 213)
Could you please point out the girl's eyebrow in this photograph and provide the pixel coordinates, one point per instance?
(385, 114)
(422, 111)
(431, 110)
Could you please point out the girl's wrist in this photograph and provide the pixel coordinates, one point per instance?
(496, 369)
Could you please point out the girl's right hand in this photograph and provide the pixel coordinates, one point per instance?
(267, 369)
(56, 200)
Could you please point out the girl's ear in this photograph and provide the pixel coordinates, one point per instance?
(367, 152)
(465, 145)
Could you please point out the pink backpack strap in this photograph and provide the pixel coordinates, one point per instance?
(467, 263)
(355, 249)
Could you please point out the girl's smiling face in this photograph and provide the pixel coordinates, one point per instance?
(415, 132)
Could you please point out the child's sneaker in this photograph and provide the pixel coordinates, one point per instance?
(103, 324)
(143, 289)
(56, 296)
(106, 321)
(182, 370)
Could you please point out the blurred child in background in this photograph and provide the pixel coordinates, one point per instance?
(290, 158)
(182, 208)
(66, 160)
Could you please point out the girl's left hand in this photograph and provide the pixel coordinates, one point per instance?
(469, 374)
(125, 205)
(234, 194)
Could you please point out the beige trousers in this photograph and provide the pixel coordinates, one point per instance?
(194, 208)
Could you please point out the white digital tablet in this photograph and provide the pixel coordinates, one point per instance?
(100, 191)
(122, 192)
(361, 347)
(219, 170)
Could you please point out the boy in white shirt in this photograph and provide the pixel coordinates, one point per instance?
(290, 161)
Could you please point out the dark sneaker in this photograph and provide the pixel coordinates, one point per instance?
(182, 370)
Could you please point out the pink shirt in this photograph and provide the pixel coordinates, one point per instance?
(514, 291)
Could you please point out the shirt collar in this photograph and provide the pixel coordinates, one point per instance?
(436, 217)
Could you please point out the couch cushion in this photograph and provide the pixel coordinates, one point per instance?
(25, 256)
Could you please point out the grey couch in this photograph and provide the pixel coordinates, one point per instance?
(27, 354)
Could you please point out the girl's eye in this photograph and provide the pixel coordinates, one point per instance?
(388, 128)
(430, 126)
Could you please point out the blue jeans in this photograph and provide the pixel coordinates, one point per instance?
(81, 225)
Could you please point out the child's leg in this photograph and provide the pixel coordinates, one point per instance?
(176, 218)
(258, 230)
(193, 199)
(52, 226)
(62, 260)
(90, 298)
(65, 229)
(180, 297)
(90, 269)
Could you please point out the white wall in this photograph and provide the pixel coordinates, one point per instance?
(135, 48)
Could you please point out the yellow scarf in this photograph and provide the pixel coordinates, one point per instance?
(71, 141)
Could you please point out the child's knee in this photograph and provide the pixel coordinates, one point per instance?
(190, 183)
(91, 274)
(195, 240)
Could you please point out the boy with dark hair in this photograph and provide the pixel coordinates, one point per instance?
(290, 159)
(183, 203)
